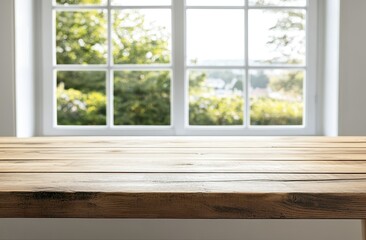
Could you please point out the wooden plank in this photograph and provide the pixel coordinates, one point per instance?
(181, 196)
(178, 183)
(249, 196)
(167, 142)
(182, 205)
(186, 153)
(183, 166)
(181, 154)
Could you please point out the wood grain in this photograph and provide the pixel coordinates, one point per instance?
(183, 183)
(148, 165)
(186, 153)
(183, 142)
(182, 205)
(183, 177)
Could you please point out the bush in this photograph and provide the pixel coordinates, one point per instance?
(77, 108)
(216, 111)
(266, 111)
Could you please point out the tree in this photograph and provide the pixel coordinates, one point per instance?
(81, 37)
(259, 80)
(288, 37)
(138, 41)
(290, 83)
(142, 98)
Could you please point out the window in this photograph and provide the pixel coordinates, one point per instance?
(179, 67)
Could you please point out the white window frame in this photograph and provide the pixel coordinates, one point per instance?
(179, 85)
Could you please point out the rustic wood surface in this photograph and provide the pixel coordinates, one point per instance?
(183, 177)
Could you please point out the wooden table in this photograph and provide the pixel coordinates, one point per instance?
(183, 177)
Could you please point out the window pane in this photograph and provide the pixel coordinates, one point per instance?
(278, 2)
(141, 36)
(216, 97)
(81, 98)
(215, 2)
(142, 2)
(81, 37)
(277, 36)
(142, 98)
(276, 97)
(81, 2)
(215, 37)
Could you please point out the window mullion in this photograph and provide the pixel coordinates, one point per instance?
(246, 54)
(110, 97)
(179, 89)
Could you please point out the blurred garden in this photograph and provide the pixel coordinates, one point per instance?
(143, 97)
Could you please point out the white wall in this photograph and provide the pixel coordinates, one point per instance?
(352, 96)
(25, 68)
(7, 98)
(352, 121)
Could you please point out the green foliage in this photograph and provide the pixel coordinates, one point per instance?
(266, 111)
(205, 108)
(291, 83)
(87, 81)
(81, 37)
(283, 105)
(81, 98)
(75, 2)
(79, 108)
(142, 98)
(216, 111)
(138, 41)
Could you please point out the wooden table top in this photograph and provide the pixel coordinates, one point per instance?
(183, 177)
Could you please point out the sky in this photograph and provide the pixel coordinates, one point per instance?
(219, 34)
